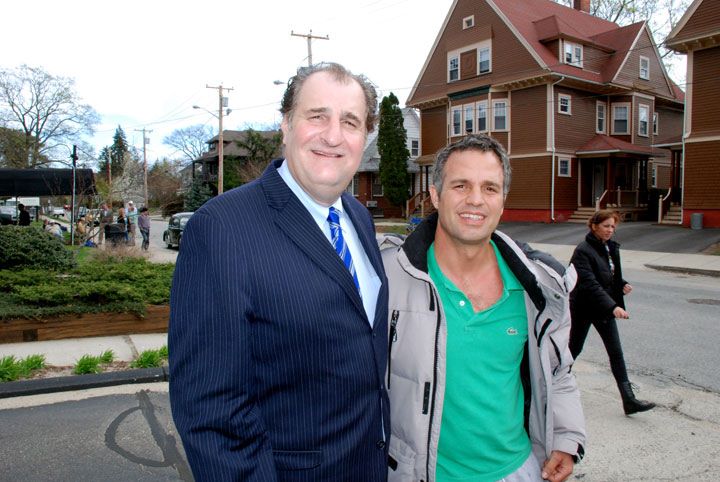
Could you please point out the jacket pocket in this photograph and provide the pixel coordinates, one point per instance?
(401, 462)
(297, 459)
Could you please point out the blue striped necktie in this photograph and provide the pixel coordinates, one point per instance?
(341, 247)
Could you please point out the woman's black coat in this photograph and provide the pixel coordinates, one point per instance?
(597, 291)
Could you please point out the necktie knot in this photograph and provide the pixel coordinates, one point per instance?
(338, 242)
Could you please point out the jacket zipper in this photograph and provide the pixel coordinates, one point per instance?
(391, 339)
(434, 381)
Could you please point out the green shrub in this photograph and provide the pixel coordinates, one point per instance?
(108, 356)
(97, 284)
(9, 369)
(31, 363)
(87, 364)
(147, 359)
(163, 352)
(30, 246)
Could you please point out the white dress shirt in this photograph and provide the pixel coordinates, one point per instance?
(367, 277)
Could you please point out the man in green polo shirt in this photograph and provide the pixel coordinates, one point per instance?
(479, 373)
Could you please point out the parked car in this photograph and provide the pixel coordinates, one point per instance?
(176, 225)
(57, 211)
(8, 214)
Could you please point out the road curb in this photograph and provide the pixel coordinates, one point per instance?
(685, 270)
(83, 382)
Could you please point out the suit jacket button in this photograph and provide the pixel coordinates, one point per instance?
(380, 444)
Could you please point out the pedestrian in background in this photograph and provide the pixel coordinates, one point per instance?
(599, 299)
(132, 218)
(23, 216)
(106, 217)
(144, 227)
(123, 221)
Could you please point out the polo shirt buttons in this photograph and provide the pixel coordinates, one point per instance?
(462, 303)
(380, 444)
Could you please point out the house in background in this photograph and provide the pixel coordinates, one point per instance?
(698, 35)
(579, 103)
(206, 166)
(366, 185)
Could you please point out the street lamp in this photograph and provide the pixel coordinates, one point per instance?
(219, 117)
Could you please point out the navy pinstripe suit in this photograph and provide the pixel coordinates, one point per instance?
(275, 372)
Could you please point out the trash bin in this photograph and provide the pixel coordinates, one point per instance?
(696, 220)
(115, 234)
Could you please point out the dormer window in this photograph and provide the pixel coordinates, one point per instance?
(573, 54)
(469, 22)
(644, 68)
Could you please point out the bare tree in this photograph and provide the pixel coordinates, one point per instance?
(190, 141)
(261, 147)
(46, 109)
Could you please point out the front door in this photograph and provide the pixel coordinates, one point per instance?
(598, 181)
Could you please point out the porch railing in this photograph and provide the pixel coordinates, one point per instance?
(663, 205)
(418, 201)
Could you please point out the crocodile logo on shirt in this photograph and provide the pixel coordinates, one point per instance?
(512, 331)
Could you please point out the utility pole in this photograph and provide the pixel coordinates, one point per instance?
(109, 178)
(145, 142)
(222, 103)
(74, 158)
(309, 37)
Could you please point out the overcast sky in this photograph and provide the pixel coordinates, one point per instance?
(146, 63)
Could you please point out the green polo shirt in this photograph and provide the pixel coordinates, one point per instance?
(482, 436)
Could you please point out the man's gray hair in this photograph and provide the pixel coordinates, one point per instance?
(339, 73)
(472, 142)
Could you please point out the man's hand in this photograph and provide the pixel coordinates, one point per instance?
(558, 467)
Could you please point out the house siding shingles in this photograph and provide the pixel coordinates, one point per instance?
(528, 120)
(670, 124)
(573, 131)
(433, 126)
(703, 158)
(509, 56)
(530, 187)
(703, 21)
(630, 73)
(706, 92)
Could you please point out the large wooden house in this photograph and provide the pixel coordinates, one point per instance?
(698, 35)
(577, 101)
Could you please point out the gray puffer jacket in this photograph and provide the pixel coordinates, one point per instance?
(417, 342)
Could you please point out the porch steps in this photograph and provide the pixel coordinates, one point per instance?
(673, 216)
(581, 215)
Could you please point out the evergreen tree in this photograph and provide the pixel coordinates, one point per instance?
(198, 194)
(394, 154)
(119, 152)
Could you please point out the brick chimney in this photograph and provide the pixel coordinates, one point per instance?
(582, 5)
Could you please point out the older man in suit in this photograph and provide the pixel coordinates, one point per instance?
(278, 327)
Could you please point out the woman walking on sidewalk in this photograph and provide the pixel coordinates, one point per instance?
(598, 299)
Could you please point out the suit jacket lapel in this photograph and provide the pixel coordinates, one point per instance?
(293, 219)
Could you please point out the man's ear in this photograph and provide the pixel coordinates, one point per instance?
(435, 197)
(284, 127)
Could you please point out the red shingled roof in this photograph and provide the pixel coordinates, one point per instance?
(542, 20)
(606, 144)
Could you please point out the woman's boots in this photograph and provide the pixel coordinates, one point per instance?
(630, 403)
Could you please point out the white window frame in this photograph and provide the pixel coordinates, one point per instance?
(644, 72)
(575, 51)
(453, 131)
(600, 106)
(354, 186)
(656, 123)
(480, 50)
(562, 160)
(482, 106)
(376, 176)
(643, 124)
(568, 104)
(414, 147)
(468, 22)
(456, 58)
(653, 175)
(618, 105)
(468, 117)
(506, 117)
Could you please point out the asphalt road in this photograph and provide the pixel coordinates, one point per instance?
(637, 236)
